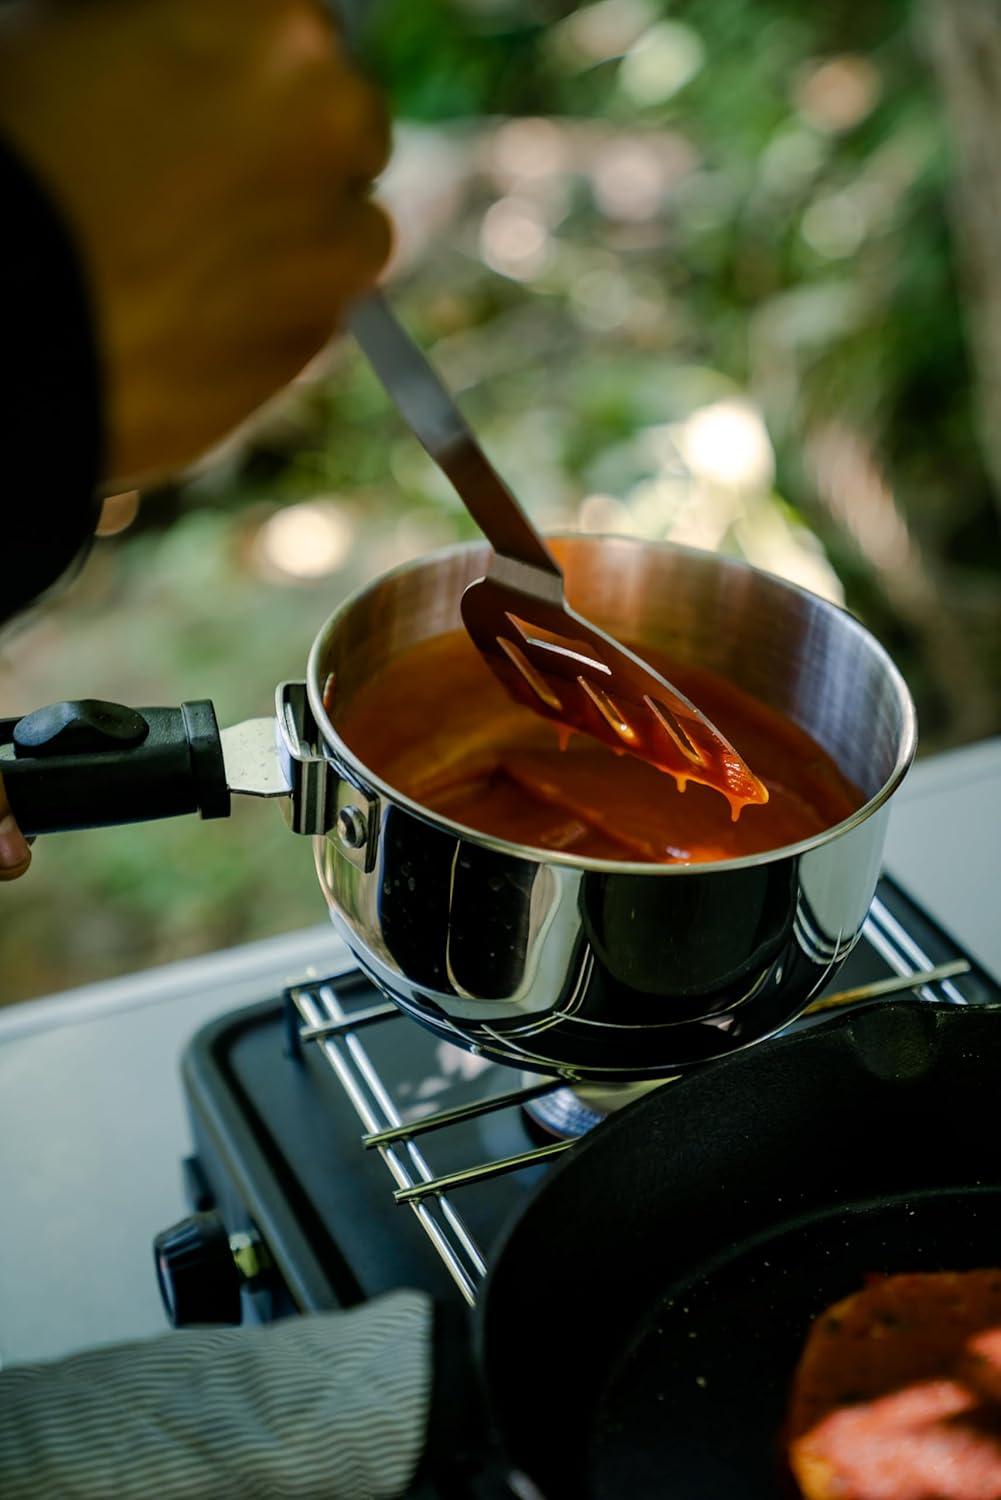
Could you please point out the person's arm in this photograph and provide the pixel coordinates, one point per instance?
(333, 1406)
(211, 164)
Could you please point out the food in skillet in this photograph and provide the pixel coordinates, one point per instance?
(438, 727)
(898, 1393)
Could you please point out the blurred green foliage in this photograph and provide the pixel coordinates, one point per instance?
(613, 220)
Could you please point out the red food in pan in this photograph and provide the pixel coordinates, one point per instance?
(898, 1392)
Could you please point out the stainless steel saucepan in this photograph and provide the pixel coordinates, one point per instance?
(605, 970)
(589, 968)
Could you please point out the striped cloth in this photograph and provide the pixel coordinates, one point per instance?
(332, 1405)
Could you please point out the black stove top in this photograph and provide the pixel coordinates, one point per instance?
(279, 1155)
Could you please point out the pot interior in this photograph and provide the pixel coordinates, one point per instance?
(792, 650)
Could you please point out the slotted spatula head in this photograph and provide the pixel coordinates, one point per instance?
(557, 664)
(545, 655)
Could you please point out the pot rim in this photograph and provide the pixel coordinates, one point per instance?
(343, 754)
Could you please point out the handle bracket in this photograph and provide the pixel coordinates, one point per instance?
(324, 798)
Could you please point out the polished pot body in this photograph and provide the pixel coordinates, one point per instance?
(589, 968)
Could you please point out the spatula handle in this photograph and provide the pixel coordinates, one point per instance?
(428, 408)
(432, 415)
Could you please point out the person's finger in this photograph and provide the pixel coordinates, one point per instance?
(358, 127)
(15, 855)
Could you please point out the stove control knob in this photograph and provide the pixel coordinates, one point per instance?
(201, 1267)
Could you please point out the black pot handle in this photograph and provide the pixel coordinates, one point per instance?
(91, 764)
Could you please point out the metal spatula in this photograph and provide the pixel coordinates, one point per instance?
(545, 654)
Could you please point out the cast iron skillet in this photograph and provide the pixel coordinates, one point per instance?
(643, 1317)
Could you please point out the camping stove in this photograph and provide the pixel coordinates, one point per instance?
(342, 1151)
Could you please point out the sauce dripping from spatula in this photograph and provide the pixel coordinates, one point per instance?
(548, 657)
(587, 683)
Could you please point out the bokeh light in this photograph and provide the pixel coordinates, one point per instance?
(727, 444)
(526, 150)
(660, 63)
(838, 94)
(603, 513)
(514, 238)
(596, 33)
(834, 225)
(628, 179)
(306, 541)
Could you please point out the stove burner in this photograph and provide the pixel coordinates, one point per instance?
(570, 1112)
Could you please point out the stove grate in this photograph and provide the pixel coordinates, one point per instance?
(319, 1017)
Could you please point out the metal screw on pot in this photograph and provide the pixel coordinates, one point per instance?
(351, 828)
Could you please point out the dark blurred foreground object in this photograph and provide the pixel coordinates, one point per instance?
(49, 396)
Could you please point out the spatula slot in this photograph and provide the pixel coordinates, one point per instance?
(610, 712)
(671, 724)
(558, 645)
(535, 680)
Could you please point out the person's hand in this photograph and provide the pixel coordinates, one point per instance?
(15, 854)
(212, 159)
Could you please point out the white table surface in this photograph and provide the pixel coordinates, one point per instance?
(93, 1127)
(92, 1117)
(944, 845)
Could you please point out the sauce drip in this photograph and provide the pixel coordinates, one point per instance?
(439, 728)
(623, 710)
